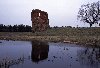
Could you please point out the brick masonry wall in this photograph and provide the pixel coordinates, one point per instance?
(40, 21)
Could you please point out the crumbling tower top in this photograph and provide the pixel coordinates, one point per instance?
(40, 21)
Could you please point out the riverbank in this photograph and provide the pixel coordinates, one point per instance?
(84, 36)
(83, 40)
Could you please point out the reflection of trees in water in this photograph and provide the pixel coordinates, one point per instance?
(89, 56)
(39, 51)
(8, 62)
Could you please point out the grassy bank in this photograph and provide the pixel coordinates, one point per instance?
(86, 36)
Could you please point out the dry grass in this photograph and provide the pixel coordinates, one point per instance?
(80, 35)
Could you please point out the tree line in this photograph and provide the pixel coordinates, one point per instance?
(15, 28)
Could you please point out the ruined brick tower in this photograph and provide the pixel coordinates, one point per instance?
(40, 21)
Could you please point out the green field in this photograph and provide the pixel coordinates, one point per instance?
(86, 36)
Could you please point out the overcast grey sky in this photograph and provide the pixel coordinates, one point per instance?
(61, 12)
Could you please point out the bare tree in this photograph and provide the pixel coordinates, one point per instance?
(90, 13)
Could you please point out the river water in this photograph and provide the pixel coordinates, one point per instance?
(34, 54)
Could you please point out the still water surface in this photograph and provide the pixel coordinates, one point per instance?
(27, 54)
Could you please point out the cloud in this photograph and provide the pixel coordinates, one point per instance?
(61, 12)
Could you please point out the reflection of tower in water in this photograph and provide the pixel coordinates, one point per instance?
(39, 51)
